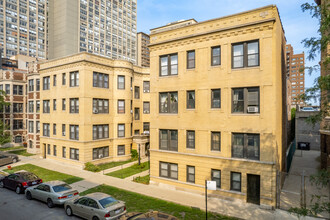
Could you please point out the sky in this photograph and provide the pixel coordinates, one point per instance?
(297, 25)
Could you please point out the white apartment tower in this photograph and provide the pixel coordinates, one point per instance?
(103, 27)
(23, 28)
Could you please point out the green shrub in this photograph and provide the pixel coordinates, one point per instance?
(134, 155)
(91, 167)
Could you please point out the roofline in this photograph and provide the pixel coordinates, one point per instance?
(141, 32)
(178, 22)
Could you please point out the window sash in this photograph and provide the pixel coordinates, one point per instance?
(121, 82)
(215, 141)
(146, 86)
(191, 174)
(216, 176)
(136, 92)
(216, 98)
(166, 106)
(136, 114)
(235, 181)
(121, 150)
(146, 107)
(190, 99)
(168, 65)
(191, 139)
(168, 140)
(121, 130)
(121, 107)
(246, 146)
(215, 56)
(245, 54)
(191, 59)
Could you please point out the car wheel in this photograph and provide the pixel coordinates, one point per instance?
(28, 195)
(18, 190)
(15, 160)
(1, 184)
(50, 203)
(68, 211)
(95, 218)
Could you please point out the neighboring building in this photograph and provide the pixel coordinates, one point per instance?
(305, 133)
(13, 82)
(325, 123)
(143, 54)
(88, 105)
(106, 28)
(23, 28)
(296, 72)
(23, 61)
(33, 108)
(218, 90)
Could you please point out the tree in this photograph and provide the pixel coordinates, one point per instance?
(4, 135)
(315, 46)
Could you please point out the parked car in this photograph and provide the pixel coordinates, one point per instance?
(20, 181)
(154, 215)
(308, 109)
(52, 192)
(95, 206)
(6, 158)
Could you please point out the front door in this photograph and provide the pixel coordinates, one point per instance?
(253, 189)
(44, 150)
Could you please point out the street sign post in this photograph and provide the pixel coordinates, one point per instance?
(209, 185)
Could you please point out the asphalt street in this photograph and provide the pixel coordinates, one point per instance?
(17, 207)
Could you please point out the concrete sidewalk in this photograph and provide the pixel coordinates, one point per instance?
(230, 208)
(144, 173)
(122, 166)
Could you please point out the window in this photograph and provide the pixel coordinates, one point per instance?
(48, 149)
(168, 170)
(245, 54)
(246, 100)
(100, 152)
(169, 65)
(168, 140)
(38, 126)
(121, 82)
(235, 181)
(46, 83)
(63, 104)
(190, 139)
(216, 176)
(146, 107)
(54, 80)
(121, 130)
(64, 152)
(100, 131)
(38, 84)
(63, 129)
(146, 86)
(74, 132)
(18, 107)
(54, 150)
(215, 56)
(100, 80)
(18, 124)
(136, 132)
(31, 85)
(246, 146)
(7, 89)
(31, 129)
(121, 150)
(31, 107)
(46, 130)
(215, 141)
(17, 90)
(121, 107)
(54, 104)
(100, 106)
(74, 105)
(54, 129)
(136, 114)
(74, 79)
(168, 102)
(216, 98)
(191, 59)
(191, 174)
(74, 154)
(146, 127)
(190, 99)
(63, 78)
(136, 92)
(46, 106)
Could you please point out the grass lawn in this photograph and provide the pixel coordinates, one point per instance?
(11, 148)
(21, 152)
(139, 203)
(142, 179)
(129, 171)
(45, 174)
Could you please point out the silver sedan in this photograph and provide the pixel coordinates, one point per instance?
(95, 206)
(52, 192)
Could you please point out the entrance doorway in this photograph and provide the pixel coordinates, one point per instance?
(44, 150)
(253, 189)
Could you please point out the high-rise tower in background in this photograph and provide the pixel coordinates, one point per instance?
(23, 28)
(103, 27)
(143, 54)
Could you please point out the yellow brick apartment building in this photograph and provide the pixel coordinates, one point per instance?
(87, 111)
(218, 94)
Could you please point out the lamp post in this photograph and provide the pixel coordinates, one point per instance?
(139, 155)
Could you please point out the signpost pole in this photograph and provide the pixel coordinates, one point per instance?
(206, 198)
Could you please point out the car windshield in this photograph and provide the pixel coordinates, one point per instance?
(106, 202)
(62, 187)
(29, 176)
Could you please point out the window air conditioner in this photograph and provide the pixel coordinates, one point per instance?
(95, 111)
(252, 109)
